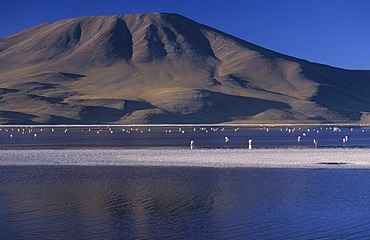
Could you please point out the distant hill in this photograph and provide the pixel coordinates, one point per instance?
(165, 68)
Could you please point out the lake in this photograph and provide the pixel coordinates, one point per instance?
(173, 136)
(107, 183)
(127, 202)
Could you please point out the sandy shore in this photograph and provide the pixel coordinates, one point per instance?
(223, 158)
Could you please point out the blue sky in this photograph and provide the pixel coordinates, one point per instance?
(333, 32)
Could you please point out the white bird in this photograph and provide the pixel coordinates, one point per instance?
(192, 144)
(299, 138)
(345, 139)
(250, 144)
(315, 142)
(227, 139)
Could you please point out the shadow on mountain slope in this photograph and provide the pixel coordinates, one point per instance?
(220, 107)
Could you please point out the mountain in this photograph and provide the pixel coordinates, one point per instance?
(165, 68)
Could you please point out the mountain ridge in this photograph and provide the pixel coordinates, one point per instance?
(165, 68)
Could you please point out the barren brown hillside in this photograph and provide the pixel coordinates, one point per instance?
(165, 68)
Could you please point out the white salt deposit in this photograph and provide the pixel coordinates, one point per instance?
(223, 158)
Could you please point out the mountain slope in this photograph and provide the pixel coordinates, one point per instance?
(165, 68)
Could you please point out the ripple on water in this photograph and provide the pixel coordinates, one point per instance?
(182, 202)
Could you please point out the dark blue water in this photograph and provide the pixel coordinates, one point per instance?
(70, 202)
(180, 137)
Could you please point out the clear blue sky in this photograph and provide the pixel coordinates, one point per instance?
(334, 32)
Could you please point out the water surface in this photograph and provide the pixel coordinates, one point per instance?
(145, 182)
(37, 137)
(122, 202)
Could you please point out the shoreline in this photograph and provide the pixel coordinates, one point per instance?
(332, 158)
(193, 125)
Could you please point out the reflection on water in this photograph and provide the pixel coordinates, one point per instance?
(53, 202)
